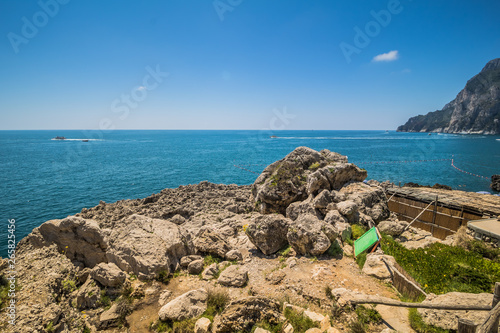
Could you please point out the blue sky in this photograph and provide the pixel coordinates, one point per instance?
(235, 64)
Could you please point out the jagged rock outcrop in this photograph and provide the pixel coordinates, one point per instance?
(301, 173)
(306, 235)
(242, 314)
(268, 233)
(475, 110)
(495, 183)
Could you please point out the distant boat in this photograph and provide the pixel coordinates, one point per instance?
(273, 136)
(59, 138)
(85, 140)
(430, 133)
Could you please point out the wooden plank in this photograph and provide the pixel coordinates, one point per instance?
(466, 326)
(369, 299)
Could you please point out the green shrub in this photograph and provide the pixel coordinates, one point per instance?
(217, 301)
(361, 259)
(356, 327)
(50, 327)
(273, 328)
(299, 322)
(209, 259)
(104, 300)
(69, 285)
(314, 166)
(420, 326)
(163, 277)
(357, 231)
(441, 268)
(334, 250)
(286, 251)
(368, 315)
(484, 250)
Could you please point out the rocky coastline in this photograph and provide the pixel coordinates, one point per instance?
(279, 245)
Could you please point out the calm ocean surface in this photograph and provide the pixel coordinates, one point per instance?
(43, 179)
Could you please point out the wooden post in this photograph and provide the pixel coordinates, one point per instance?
(466, 326)
(434, 213)
(496, 299)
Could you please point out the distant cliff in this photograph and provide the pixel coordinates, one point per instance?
(475, 110)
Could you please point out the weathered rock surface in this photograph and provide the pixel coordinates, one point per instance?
(448, 319)
(495, 183)
(109, 275)
(302, 172)
(474, 110)
(186, 260)
(188, 305)
(210, 272)
(306, 236)
(202, 325)
(243, 314)
(110, 317)
(210, 242)
(376, 267)
(393, 228)
(233, 276)
(195, 267)
(268, 233)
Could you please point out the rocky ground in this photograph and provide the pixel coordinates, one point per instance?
(120, 267)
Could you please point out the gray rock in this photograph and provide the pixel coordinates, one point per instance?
(210, 242)
(109, 275)
(187, 306)
(392, 228)
(347, 208)
(146, 246)
(210, 272)
(344, 230)
(294, 210)
(448, 319)
(333, 217)
(234, 255)
(164, 296)
(87, 296)
(323, 199)
(186, 260)
(234, 276)
(177, 219)
(306, 236)
(268, 233)
(376, 267)
(195, 267)
(301, 173)
(243, 314)
(202, 325)
(110, 317)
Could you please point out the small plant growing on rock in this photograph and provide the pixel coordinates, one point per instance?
(299, 322)
(163, 277)
(217, 301)
(314, 166)
(69, 286)
(50, 327)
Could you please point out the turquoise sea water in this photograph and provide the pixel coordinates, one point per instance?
(43, 179)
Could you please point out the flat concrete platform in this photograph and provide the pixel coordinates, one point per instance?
(487, 227)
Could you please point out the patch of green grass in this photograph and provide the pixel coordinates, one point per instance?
(50, 327)
(286, 251)
(356, 327)
(417, 323)
(484, 250)
(210, 259)
(334, 250)
(104, 300)
(357, 231)
(361, 259)
(4, 291)
(299, 322)
(163, 277)
(217, 301)
(328, 292)
(273, 328)
(367, 315)
(441, 268)
(69, 285)
(314, 166)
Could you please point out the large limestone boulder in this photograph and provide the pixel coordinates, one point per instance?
(147, 246)
(448, 319)
(233, 276)
(393, 228)
(243, 314)
(109, 275)
(306, 236)
(370, 200)
(195, 267)
(189, 305)
(375, 265)
(79, 239)
(268, 232)
(301, 173)
(202, 325)
(211, 242)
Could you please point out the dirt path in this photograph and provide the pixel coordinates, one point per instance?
(395, 318)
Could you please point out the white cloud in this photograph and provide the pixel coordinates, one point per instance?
(141, 88)
(389, 56)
